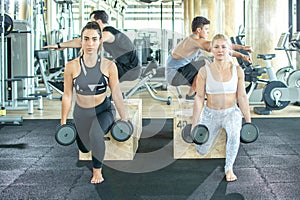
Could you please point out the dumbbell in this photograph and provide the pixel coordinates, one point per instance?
(249, 132)
(65, 134)
(199, 134)
(121, 130)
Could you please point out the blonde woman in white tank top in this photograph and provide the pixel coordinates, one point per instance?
(222, 84)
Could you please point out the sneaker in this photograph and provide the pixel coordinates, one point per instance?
(187, 97)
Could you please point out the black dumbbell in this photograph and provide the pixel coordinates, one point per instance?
(199, 134)
(65, 134)
(249, 132)
(121, 130)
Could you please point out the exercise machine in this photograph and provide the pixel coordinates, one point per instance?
(48, 76)
(286, 74)
(6, 25)
(290, 74)
(275, 94)
(151, 59)
(64, 32)
(143, 84)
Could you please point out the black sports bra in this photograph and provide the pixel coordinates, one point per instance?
(90, 81)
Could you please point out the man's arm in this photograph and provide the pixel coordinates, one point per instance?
(107, 37)
(243, 56)
(241, 47)
(204, 44)
(75, 43)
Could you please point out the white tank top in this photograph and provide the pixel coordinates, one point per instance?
(218, 87)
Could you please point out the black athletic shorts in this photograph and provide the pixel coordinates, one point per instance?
(185, 75)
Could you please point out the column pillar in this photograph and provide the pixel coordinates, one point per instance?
(191, 14)
(209, 7)
(230, 17)
(265, 21)
(22, 10)
(197, 7)
(186, 18)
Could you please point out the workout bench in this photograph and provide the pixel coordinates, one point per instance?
(184, 150)
(54, 73)
(126, 150)
(143, 84)
(28, 98)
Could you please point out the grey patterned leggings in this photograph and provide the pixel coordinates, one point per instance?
(231, 120)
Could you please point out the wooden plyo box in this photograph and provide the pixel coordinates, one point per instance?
(184, 150)
(126, 150)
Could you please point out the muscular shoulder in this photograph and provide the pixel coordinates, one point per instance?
(108, 37)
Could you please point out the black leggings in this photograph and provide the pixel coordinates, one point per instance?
(91, 125)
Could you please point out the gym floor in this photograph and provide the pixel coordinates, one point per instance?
(34, 166)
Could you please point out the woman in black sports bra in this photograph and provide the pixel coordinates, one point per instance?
(93, 114)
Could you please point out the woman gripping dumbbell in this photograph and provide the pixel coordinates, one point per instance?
(90, 74)
(222, 83)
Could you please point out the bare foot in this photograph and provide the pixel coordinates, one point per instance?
(97, 176)
(230, 176)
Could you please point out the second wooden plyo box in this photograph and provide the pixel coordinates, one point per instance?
(184, 150)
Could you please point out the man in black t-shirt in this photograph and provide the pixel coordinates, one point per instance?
(116, 43)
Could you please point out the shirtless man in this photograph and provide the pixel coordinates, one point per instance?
(116, 43)
(182, 64)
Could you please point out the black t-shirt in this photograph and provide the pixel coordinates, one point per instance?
(121, 49)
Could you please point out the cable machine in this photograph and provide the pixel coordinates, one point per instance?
(6, 28)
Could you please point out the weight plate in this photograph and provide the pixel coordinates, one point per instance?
(186, 133)
(200, 134)
(131, 126)
(65, 134)
(121, 131)
(249, 133)
(8, 24)
(294, 79)
(268, 93)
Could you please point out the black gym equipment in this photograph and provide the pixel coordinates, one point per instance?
(249, 133)
(270, 103)
(275, 94)
(122, 130)
(8, 24)
(199, 134)
(151, 70)
(65, 134)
